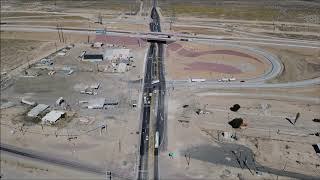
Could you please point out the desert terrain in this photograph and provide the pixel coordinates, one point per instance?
(147, 89)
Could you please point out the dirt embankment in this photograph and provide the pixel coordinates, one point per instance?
(298, 64)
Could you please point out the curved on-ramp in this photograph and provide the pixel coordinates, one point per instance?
(275, 69)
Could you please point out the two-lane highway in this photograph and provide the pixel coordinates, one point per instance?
(147, 89)
(154, 88)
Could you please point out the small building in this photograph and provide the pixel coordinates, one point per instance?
(34, 112)
(96, 103)
(95, 86)
(61, 53)
(28, 102)
(92, 57)
(59, 101)
(97, 44)
(122, 67)
(111, 102)
(53, 116)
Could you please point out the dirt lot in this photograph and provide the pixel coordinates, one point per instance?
(112, 6)
(269, 143)
(28, 169)
(46, 36)
(115, 149)
(16, 52)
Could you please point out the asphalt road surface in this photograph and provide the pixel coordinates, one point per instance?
(152, 72)
(147, 89)
(215, 84)
(215, 39)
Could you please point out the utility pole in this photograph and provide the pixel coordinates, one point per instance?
(55, 44)
(63, 40)
(58, 33)
(28, 60)
(100, 18)
(173, 18)
(88, 32)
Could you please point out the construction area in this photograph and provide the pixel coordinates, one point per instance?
(71, 103)
(119, 89)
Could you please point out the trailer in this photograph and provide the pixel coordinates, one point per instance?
(156, 142)
(155, 82)
(82, 54)
(197, 80)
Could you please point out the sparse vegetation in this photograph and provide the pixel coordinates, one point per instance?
(241, 10)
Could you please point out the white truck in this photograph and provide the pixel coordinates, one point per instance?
(197, 80)
(155, 82)
(156, 141)
(146, 100)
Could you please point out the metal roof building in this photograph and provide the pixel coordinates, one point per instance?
(53, 116)
(34, 112)
(96, 103)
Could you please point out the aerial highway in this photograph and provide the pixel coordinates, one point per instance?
(154, 72)
(158, 34)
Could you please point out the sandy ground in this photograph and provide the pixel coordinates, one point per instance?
(46, 36)
(110, 6)
(15, 52)
(272, 10)
(18, 168)
(273, 141)
(114, 25)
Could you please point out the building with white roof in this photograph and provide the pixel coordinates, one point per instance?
(96, 103)
(53, 116)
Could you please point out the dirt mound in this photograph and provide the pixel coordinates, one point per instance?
(235, 108)
(236, 123)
